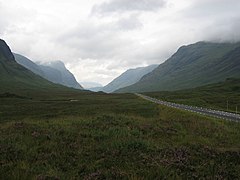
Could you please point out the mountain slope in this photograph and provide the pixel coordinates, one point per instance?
(5, 51)
(27, 63)
(55, 72)
(128, 78)
(92, 86)
(192, 66)
(15, 78)
(66, 78)
(88, 85)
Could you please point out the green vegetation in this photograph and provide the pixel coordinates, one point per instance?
(55, 72)
(87, 135)
(52, 132)
(216, 96)
(15, 78)
(129, 77)
(192, 66)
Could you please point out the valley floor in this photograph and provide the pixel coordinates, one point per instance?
(109, 136)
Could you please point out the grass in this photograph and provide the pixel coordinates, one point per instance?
(192, 66)
(215, 96)
(111, 136)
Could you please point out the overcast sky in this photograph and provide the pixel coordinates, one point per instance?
(99, 39)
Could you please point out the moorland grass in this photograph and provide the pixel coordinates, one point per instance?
(221, 96)
(112, 136)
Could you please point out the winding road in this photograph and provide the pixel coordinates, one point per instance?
(203, 111)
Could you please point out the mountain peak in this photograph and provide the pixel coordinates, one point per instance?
(56, 64)
(6, 51)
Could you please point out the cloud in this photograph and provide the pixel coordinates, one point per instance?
(206, 9)
(100, 39)
(92, 41)
(3, 21)
(215, 20)
(121, 6)
(108, 40)
(227, 30)
(86, 70)
(131, 22)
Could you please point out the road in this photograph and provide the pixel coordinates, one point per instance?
(203, 111)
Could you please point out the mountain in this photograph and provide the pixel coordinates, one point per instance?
(192, 66)
(88, 85)
(55, 72)
(5, 51)
(92, 86)
(27, 63)
(14, 77)
(58, 73)
(128, 78)
(95, 89)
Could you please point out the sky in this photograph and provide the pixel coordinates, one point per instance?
(100, 39)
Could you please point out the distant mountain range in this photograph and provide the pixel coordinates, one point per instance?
(55, 72)
(128, 78)
(192, 66)
(14, 77)
(88, 85)
(92, 86)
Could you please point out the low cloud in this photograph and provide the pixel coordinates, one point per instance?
(121, 6)
(109, 40)
(227, 31)
(129, 23)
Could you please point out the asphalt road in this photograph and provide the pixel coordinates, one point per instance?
(203, 111)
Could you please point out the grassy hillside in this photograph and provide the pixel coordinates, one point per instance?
(109, 136)
(16, 79)
(55, 72)
(27, 63)
(128, 78)
(215, 96)
(192, 66)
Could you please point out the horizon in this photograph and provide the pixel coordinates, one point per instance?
(99, 40)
